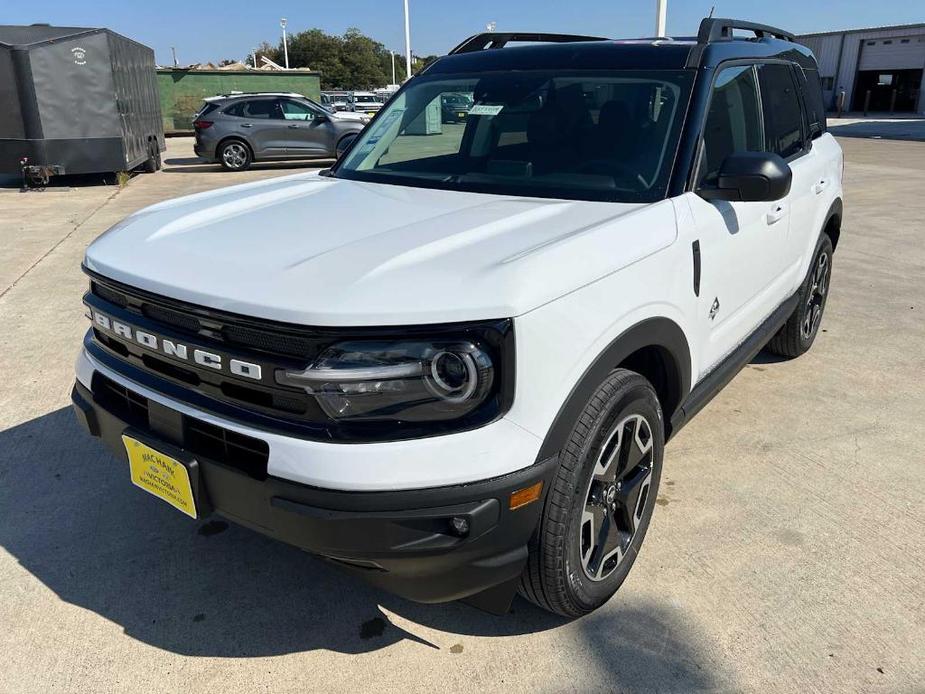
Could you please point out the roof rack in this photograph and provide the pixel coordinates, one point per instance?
(481, 42)
(718, 29)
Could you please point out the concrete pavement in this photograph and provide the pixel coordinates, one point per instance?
(786, 552)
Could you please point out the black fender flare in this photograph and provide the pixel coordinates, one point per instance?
(658, 332)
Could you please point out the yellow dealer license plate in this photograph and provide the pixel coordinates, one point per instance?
(160, 475)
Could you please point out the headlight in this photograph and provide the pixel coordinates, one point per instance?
(408, 381)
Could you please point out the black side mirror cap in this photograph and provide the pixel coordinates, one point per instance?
(750, 177)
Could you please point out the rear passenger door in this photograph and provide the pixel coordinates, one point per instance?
(261, 125)
(786, 134)
(741, 244)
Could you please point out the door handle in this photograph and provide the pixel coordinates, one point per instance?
(247, 125)
(293, 127)
(776, 214)
(821, 186)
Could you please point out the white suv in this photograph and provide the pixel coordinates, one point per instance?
(467, 391)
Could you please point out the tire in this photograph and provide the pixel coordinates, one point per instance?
(797, 335)
(608, 473)
(153, 162)
(235, 155)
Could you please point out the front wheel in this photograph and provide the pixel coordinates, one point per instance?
(601, 500)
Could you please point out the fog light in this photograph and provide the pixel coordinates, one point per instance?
(459, 526)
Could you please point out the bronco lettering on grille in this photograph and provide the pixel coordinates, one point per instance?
(177, 350)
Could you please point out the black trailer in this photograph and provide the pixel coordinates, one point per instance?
(76, 100)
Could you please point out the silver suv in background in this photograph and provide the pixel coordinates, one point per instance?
(365, 102)
(237, 130)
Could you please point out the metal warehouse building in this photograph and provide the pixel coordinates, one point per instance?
(886, 63)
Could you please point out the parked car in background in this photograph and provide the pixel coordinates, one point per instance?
(237, 130)
(365, 102)
(454, 108)
(339, 101)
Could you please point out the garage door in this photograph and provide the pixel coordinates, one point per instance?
(901, 53)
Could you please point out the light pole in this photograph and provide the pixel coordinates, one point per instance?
(393, 66)
(407, 40)
(282, 25)
(661, 17)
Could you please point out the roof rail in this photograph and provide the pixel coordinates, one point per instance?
(718, 29)
(481, 42)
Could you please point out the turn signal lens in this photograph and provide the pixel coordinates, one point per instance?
(527, 495)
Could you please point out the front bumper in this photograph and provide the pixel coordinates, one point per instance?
(401, 541)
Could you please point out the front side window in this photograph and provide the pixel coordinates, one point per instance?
(591, 135)
(733, 122)
(293, 110)
(782, 115)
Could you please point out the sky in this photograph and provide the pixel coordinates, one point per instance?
(210, 31)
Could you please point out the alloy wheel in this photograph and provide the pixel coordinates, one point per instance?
(815, 301)
(234, 155)
(616, 497)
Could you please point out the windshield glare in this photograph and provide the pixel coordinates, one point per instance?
(592, 136)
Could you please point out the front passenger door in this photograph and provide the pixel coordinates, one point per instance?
(742, 244)
(309, 132)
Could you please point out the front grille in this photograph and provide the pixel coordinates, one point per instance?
(230, 331)
(201, 439)
(108, 294)
(175, 319)
(234, 337)
(278, 343)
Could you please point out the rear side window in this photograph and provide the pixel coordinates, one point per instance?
(262, 108)
(733, 121)
(812, 99)
(783, 119)
(204, 110)
(235, 110)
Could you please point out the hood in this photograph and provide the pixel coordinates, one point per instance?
(321, 251)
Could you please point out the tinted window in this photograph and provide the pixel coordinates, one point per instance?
(206, 108)
(783, 119)
(263, 108)
(601, 135)
(733, 121)
(236, 109)
(812, 98)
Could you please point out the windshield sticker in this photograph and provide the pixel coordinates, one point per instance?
(380, 130)
(486, 109)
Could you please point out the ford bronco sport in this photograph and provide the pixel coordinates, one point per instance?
(469, 393)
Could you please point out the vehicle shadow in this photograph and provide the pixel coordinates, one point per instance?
(69, 515)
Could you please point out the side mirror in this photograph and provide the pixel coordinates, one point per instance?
(750, 177)
(344, 144)
(320, 118)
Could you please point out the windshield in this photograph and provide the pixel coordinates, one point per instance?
(366, 99)
(591, 135)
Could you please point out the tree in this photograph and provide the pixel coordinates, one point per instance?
(352, 61)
